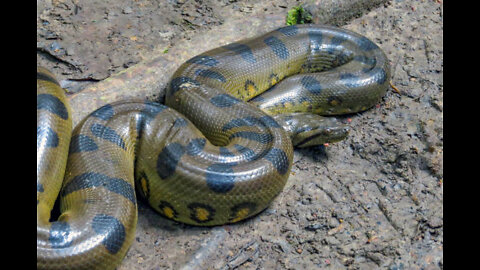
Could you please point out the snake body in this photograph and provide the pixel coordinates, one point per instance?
(209, 158)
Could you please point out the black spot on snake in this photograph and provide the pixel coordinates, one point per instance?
(365, 44)
(111, 230)
(180, 122)
(168, 159)
(316, 38)
(147, 114)
(225, 152)
(379, 75)
(60, 235)
(247, 153)
(273, 79)
(311, 84)
(203, 60)
(242, 210)
(46, 77)
(250, 88)
(286, 101)
(279, 160)
(201, 213)
(167, 210)
(108, 134)
(195, 146)
(239, 122)
(143, 184)
(254, 136)
(82, 143)
(277, 46)
(92, 179)
(46, 137)
(40, 187)
(350, 80)
(177, 82)
(243, 50)
(151, 109)
(224, 100)
(220, 177)
(206, 73)
(289, 31)
(52, 104)
(334, 101)
(105, 112)
(337, 40)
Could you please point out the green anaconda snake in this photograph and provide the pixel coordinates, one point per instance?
(210, 157)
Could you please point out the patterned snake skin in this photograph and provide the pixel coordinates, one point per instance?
(210, 157)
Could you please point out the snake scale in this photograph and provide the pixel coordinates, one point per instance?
(219, 153)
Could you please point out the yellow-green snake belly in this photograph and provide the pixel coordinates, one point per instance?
(218, 152)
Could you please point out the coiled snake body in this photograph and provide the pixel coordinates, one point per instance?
(210, 157)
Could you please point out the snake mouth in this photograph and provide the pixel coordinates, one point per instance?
(324, 135)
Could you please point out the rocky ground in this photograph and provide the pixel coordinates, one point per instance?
(374, 200)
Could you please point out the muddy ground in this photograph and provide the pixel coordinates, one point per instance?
(374, 200)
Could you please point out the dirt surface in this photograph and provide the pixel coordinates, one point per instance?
(374, 200)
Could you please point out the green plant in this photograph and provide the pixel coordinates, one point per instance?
(298, 15)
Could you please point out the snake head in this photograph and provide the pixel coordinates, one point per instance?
(306, 129)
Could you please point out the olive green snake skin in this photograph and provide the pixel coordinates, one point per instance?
(210, 157)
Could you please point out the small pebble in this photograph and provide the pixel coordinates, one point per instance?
(127, 10)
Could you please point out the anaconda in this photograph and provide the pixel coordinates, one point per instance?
(217, 152)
